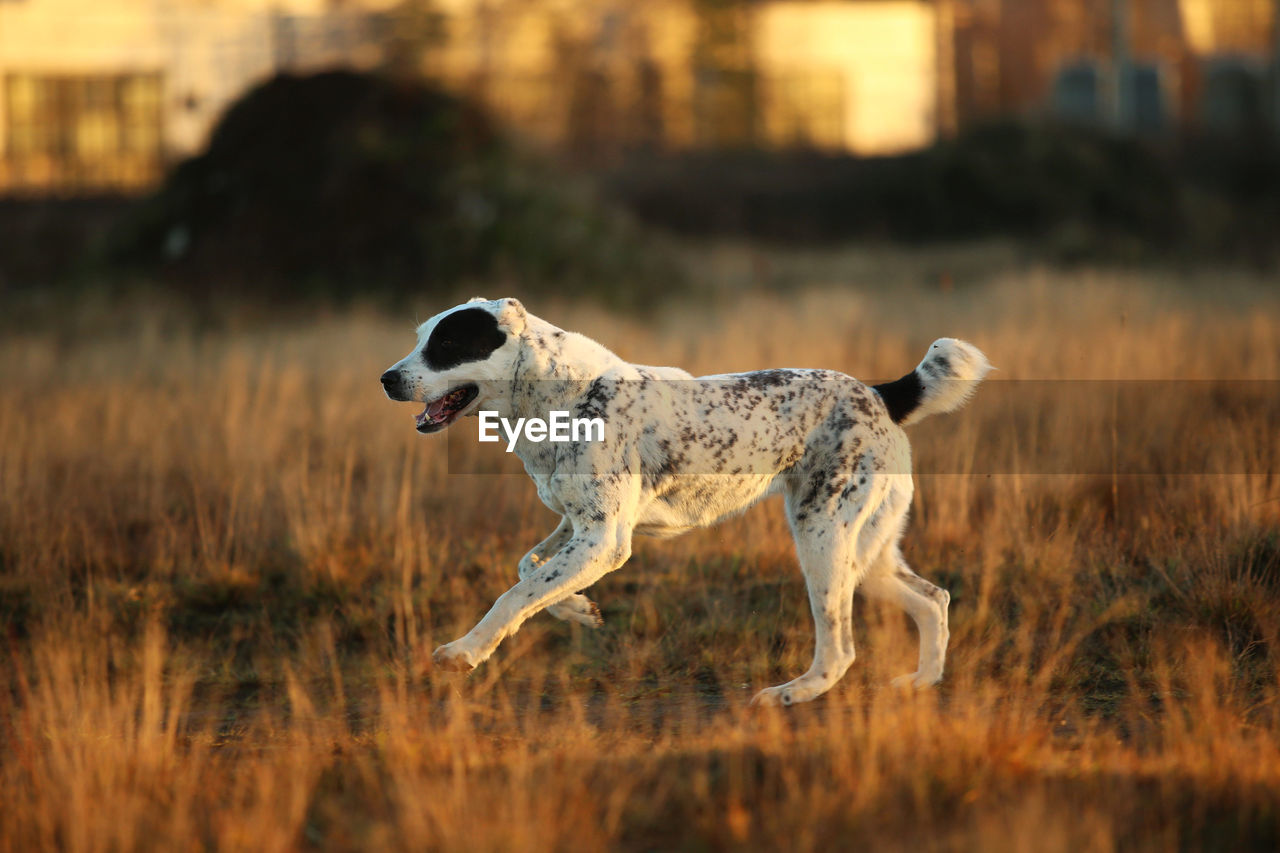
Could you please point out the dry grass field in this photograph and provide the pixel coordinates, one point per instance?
(225, 558)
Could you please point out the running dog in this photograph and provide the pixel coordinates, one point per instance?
(680, 453)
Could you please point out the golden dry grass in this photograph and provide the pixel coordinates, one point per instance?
(223, 553)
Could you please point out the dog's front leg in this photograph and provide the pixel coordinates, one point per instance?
(589, 555)
(576, 607)
(547, 548)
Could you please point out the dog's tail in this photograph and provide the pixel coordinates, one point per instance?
(942, 382)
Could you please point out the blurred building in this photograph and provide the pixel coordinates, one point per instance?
(596, 76)
(103, 93)
(1141, 65)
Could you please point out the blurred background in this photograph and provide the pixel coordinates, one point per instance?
(225, 556)
(301, 147)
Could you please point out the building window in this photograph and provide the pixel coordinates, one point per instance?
(77, 133)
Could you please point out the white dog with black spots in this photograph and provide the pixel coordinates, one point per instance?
(681, 452)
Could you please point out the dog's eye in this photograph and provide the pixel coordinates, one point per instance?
(477, 336)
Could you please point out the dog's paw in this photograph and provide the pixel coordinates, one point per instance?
(803, 689)
(586, 612)
(451, 658)
(774, 697)
(915, 681)
(578, 608)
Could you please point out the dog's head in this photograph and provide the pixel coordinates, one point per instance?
(465, 357)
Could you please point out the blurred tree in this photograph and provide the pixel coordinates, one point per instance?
(344, 183)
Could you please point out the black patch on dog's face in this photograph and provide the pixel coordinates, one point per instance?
(471, 334)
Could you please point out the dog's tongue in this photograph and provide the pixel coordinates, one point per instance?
(438, 408)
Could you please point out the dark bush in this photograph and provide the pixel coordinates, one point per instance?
(49, 239)
(1077, 192)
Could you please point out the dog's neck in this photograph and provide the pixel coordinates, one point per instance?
(554, 366)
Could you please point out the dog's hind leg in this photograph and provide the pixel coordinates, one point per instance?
(828, 511)
(828, 574)
(893, 580)
(575, 608)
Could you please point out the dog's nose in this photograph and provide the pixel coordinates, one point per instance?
(393, 384)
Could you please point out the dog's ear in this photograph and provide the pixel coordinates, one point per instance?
(476, 299)
(511, 316)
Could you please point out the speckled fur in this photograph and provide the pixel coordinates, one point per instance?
(681, 453)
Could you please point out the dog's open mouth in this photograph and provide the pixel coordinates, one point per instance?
(443, 411)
